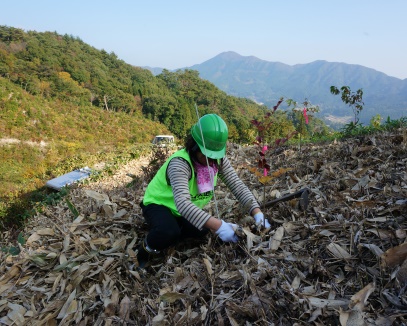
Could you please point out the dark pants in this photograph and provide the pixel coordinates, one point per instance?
(165, 229)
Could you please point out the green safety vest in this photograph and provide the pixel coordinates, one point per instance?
(160, 192)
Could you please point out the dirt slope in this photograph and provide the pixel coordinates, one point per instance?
(340, 262)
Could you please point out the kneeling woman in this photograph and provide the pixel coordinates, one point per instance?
(173, 201)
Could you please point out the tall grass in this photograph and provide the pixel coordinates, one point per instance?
(27, 192)
(50, 137)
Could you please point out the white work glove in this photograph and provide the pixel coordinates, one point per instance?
(227, 232)
(260, 221)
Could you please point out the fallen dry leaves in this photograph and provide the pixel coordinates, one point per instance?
(340, 262)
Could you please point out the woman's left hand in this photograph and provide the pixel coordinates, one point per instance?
(261, 221)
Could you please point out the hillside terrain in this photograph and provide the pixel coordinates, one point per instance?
(41, 138)
(85, 105)
(49, 66)
(342, 261)
(71, 259)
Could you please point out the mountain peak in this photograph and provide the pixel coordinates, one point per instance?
(231, 55)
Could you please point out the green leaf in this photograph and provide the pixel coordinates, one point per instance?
(11, 250)
(21, 239)
(72, 208)
(14, 251)
(38, 259)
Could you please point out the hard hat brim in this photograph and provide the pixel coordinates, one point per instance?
(213, 154)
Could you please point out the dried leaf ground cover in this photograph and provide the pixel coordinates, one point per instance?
(340, 262)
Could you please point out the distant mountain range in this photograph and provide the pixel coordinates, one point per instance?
(265, 82)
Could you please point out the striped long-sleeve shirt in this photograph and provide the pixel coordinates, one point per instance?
(179, 172)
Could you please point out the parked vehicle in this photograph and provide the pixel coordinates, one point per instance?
(164, 141)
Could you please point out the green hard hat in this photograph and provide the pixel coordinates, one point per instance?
(215, 135)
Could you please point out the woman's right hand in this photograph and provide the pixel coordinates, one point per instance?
(227, 232)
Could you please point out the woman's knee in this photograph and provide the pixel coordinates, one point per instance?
(169, 234)
(160, 239)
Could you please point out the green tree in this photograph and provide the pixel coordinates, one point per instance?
(353, 99)
(6, 63)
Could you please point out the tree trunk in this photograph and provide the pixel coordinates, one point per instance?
(105, 98)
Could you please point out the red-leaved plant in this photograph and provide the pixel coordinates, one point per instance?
(263, 167)
(301, 114)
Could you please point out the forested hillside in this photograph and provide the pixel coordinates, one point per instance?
(65, 104)
(64, 68)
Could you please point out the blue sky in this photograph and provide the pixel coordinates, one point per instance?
(174, 34)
